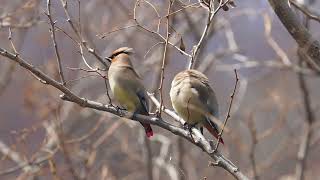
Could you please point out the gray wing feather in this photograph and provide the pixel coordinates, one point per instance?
(207, 97)
(143, 100)
(213, 104)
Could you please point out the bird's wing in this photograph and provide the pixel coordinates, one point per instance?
(206, 96)
(140, 89)
(144, 102)
(213, 104)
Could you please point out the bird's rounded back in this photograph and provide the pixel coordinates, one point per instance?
(189, 74)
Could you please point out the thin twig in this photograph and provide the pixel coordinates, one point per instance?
(274, 45)
(54, 41)
(309, 119)
(229, 110)
(11, 42)
(253, 131)
(79, 35)
(100, 74)
(66, 153)
(306, 11)
(164, 57)
(196, 48)
(17, 158)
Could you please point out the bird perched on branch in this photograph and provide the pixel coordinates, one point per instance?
(126, 85)
(195, 101)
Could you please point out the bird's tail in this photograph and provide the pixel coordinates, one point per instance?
(148, 129)
(213, 129)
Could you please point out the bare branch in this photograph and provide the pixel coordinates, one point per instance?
(54, 41)
(254, 139)
(14, 156)
(229, 109)
(164, 57)
(306, 11)
(309, 119)
(306, 42)
(197, 47)
(196, 139)
(78, 33)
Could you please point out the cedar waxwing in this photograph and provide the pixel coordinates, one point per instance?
(194, 100)
(126, 85)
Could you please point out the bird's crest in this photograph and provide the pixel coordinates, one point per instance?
(122, 50)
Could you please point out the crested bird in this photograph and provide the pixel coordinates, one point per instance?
(195, 101)
(126, 85)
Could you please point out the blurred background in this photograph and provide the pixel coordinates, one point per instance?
(270, 115)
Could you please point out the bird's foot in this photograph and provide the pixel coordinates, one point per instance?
(213, 163)
(188, 127)
(157, 113)
(118, 108)
(121, 108)
(134, 115)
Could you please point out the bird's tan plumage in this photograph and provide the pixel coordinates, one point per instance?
(127, 86)
(194, 100)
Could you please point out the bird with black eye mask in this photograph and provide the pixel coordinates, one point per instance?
(126, 86)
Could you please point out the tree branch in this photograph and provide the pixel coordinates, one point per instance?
(196, 138)
(310, 14)
(54, 41)
(196, 48)
(301, 35)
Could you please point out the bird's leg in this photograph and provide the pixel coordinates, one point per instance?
(157, 113)
(134, 115)
(118, 108)
(190, 131)
(186, 125)
(189, 127)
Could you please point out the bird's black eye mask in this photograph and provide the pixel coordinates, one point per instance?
(117, 53)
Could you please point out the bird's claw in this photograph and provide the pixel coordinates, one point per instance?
(118, 108)
(188, 127)
(157, 113)
(212, 163)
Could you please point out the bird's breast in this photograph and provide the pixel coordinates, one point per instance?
(126, 96)
(185, 102)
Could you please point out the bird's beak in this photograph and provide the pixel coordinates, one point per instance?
(108, 59)
(129, 51)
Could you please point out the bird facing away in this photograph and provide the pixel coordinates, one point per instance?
(126, 86)
(195, 101)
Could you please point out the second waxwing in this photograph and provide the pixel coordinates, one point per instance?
(195, 101)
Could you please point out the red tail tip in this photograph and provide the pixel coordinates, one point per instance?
(149, 134)
(213, 132)
(221, 141)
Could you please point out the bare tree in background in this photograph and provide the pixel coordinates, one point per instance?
(60, 122)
